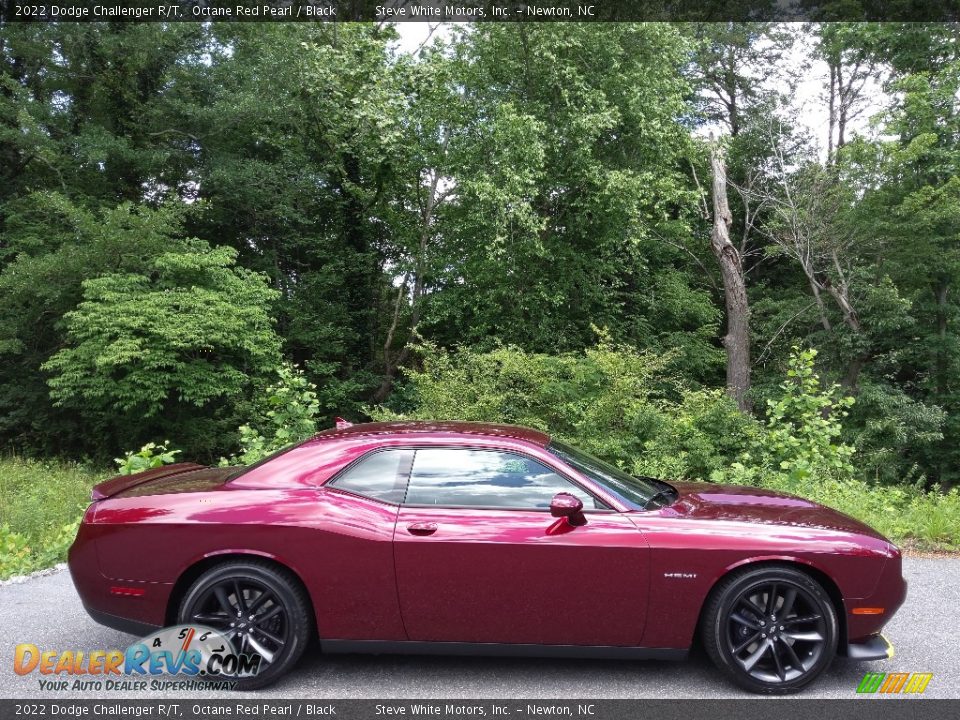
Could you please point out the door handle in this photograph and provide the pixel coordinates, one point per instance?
(422, 528)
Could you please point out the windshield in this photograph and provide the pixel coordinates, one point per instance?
(634, 490)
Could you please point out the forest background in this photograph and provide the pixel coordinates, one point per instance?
(217, 238)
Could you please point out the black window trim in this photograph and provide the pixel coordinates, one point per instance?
(565, 476)
(331, 481)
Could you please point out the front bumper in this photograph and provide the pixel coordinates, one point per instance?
(875, 648)
(888, 595)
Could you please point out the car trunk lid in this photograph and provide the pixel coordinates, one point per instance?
(121, 483)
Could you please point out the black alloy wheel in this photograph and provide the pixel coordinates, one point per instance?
(261, 609)
(773, 630)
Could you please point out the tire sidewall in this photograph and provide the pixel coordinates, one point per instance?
(286, 591)
(722, 655)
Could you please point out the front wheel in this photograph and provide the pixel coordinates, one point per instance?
(772, 630)
(261, 609)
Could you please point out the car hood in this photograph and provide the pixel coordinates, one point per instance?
(755, 505)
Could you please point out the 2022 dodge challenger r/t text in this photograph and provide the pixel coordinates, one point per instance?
(474, 538)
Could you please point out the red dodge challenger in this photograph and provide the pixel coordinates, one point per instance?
(463, 538)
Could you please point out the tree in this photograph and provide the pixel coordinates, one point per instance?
(807, 223)
(304, 186)
(738, 68)
(190, 330)
(437, 115)
(910, 205)
(55, 245)
(737, 339)
(550, 232)
(853, 73)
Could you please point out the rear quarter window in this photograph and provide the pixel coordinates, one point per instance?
(381, 475)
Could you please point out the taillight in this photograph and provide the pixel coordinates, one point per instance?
(127, 591)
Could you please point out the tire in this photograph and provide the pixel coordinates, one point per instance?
(762, 655)
(270, 593)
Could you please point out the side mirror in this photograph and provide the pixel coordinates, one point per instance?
(565, 505)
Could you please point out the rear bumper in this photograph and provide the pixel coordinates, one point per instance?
(108, 601)
(875, 648)
(133, 627)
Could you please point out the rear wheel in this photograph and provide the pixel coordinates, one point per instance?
(261, 609)
(772, 630)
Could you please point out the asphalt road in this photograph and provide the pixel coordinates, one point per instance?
(45, 611)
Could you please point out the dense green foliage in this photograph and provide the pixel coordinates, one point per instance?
(40, 506)
(186, 209)
(622, 404)
(188, 331)
(284, 413)
(148, 457)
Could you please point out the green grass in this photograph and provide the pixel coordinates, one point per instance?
(41, 503)
(913, 518)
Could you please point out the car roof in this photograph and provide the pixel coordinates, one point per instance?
(443, 427)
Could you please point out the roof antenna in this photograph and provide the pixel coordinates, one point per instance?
(343, 424)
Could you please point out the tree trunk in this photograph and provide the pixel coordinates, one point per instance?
(851, 380)
(842, 110)
(731, 81)
(942, 363)
(821, 307)
(737, 339)
(832, 120)
(392, 364)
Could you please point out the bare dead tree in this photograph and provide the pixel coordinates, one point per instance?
(802, 212)
(737, 339)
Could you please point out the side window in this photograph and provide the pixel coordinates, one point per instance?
(382, 475)
(486, 478)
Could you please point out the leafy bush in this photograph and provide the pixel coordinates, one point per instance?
(41, 504)
(15, 554)
(704, 432)
(614, 401)
(178, 344)
(800, 452)
(897, 436)
(800, 442)
(285, 413)
(149, 456)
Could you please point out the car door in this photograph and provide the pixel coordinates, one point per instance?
(480, 559)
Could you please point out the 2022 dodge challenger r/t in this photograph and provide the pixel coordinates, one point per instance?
(462, 538)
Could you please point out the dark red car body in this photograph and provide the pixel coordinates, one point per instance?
(626, 582)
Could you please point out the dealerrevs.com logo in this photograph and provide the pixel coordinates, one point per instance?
(200, 657)
(894, 683)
